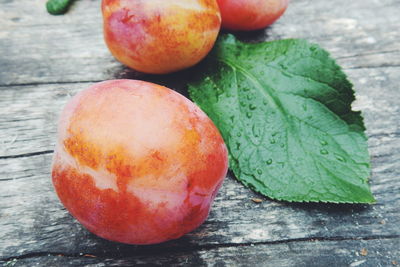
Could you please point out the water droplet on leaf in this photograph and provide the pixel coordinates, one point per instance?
(324, 151)
(259, 171)
(339, 158)
(323, 142)
(269, 162)
(249, 115)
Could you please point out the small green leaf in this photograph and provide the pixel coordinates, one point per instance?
(284, 110)
(58, 7)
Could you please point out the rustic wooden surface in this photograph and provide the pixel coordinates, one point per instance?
(45, 59)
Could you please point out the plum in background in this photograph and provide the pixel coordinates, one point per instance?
(136, 162)
(159, 36)
(248, 15)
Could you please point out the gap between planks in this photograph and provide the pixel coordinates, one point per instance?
(45, 152)
(146, 251)
(145, 78)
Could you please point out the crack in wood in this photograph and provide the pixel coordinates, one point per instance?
(373, 67)
(32, 154)
(25, 155)
(144, 250)
(144, 75)
(369, 54)
(48, 83)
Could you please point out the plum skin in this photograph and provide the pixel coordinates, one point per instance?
(136, 162)
(248, 15)
(158, 36)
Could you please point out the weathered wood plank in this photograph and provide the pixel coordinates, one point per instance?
(29, 113)
(32, 219)
(379, 252)
(39, 48)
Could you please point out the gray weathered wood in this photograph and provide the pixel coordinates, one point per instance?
(45, 59)
(38, 48)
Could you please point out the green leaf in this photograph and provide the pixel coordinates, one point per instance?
(58, 7)
(284, 111)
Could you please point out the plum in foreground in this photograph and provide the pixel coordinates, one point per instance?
(158, 36)
(136, 162)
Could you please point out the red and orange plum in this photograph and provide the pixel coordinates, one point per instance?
(159, 36)
(247, 15)
(136, 162)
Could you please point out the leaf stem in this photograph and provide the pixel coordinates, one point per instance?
(58, 7)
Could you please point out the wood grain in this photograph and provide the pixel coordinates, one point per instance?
(44, 60)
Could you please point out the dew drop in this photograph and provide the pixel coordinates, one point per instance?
(339, 158)
(243, 104)
(272, 141)
(269, 162)
(259, 171)
(252, 107)
(246, 89)
(249, 97)
(249, 115)
(312, 48)
(324, 151)
(323, 142)
(239, 134)
(265, 102)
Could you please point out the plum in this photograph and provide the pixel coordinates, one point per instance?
(247, 15)
(158, 36)
(136, 162)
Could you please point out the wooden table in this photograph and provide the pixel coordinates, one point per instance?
(45, 59)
